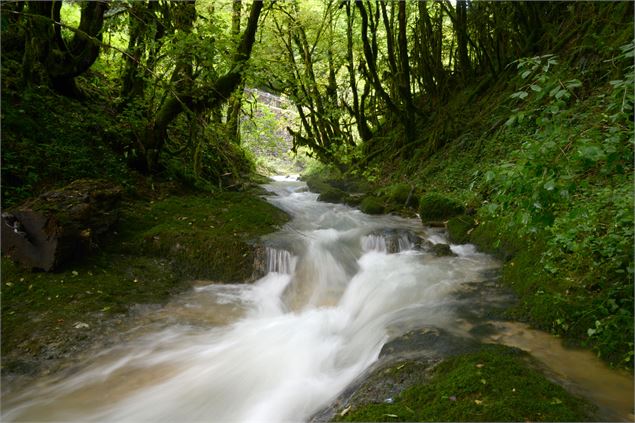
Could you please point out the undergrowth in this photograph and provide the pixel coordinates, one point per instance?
(548, 172)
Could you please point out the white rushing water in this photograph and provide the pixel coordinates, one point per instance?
(340, 285)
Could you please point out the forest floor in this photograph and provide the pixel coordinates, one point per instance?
(165, 239)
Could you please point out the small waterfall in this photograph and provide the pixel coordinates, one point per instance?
(404, 242)
(374, 243)
(389, 243)
(280, 261)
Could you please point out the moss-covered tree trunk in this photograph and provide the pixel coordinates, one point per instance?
(62, 60)
(200, 98)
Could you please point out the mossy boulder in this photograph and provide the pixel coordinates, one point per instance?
(401, 195)
(48, 231)
(333, 195)
(435, 207)
(372, 205)
(354, 200)
(495, 383)
(460, 228)
(316, 184)
(442, 250)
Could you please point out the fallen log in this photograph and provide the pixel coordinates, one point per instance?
(60, 225)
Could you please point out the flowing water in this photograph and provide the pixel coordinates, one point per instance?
(340, 285)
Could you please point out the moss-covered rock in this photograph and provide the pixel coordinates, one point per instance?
(57, 226)
(441, 250)
(495, 383)
(316, 184)
(333, 195)
(435, 206)
(371, 205)
(354, 200)
(460, 228)
(401, 194)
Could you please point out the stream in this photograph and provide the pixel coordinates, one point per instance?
(340, 285)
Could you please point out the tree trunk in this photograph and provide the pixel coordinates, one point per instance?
(64, 61)
(235, 102)
(207, 97)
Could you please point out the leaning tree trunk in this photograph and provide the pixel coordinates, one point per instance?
(205, 98)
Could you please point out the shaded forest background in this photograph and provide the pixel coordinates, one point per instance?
(519, 112)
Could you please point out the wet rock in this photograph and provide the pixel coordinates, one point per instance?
(403, 362)
(397, 240)
(333, 195)
(441, 250)
(372, 205)
(47, 231)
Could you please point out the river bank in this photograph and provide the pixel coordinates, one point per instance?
(161, 241)
(166, 238)
(421, 392)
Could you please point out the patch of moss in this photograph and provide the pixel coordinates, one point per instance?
(155, 250)
(494, 384)
(401, 194)
(208, 237)
(491, 237)
(459, 229)
(316, 184)
(333, 195)
(371, 205)
(435, 206)
(41, 309)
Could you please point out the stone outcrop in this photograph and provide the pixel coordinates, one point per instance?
(47, 231)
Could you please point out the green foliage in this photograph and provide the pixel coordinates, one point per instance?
(494, 384)
(571, 185)
(436, 206)
(50, 141)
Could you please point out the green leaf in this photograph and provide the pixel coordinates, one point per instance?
(562, 93)
(535, 87)
(592, 152)
(525, 74)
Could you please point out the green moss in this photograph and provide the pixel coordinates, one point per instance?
(316, 184)
(435, 206)
(38, 308)
(459, 228)
(494, 384)
(371, 205)
(158, 247)
(493, 238)
(333, 195)
(401, 194)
